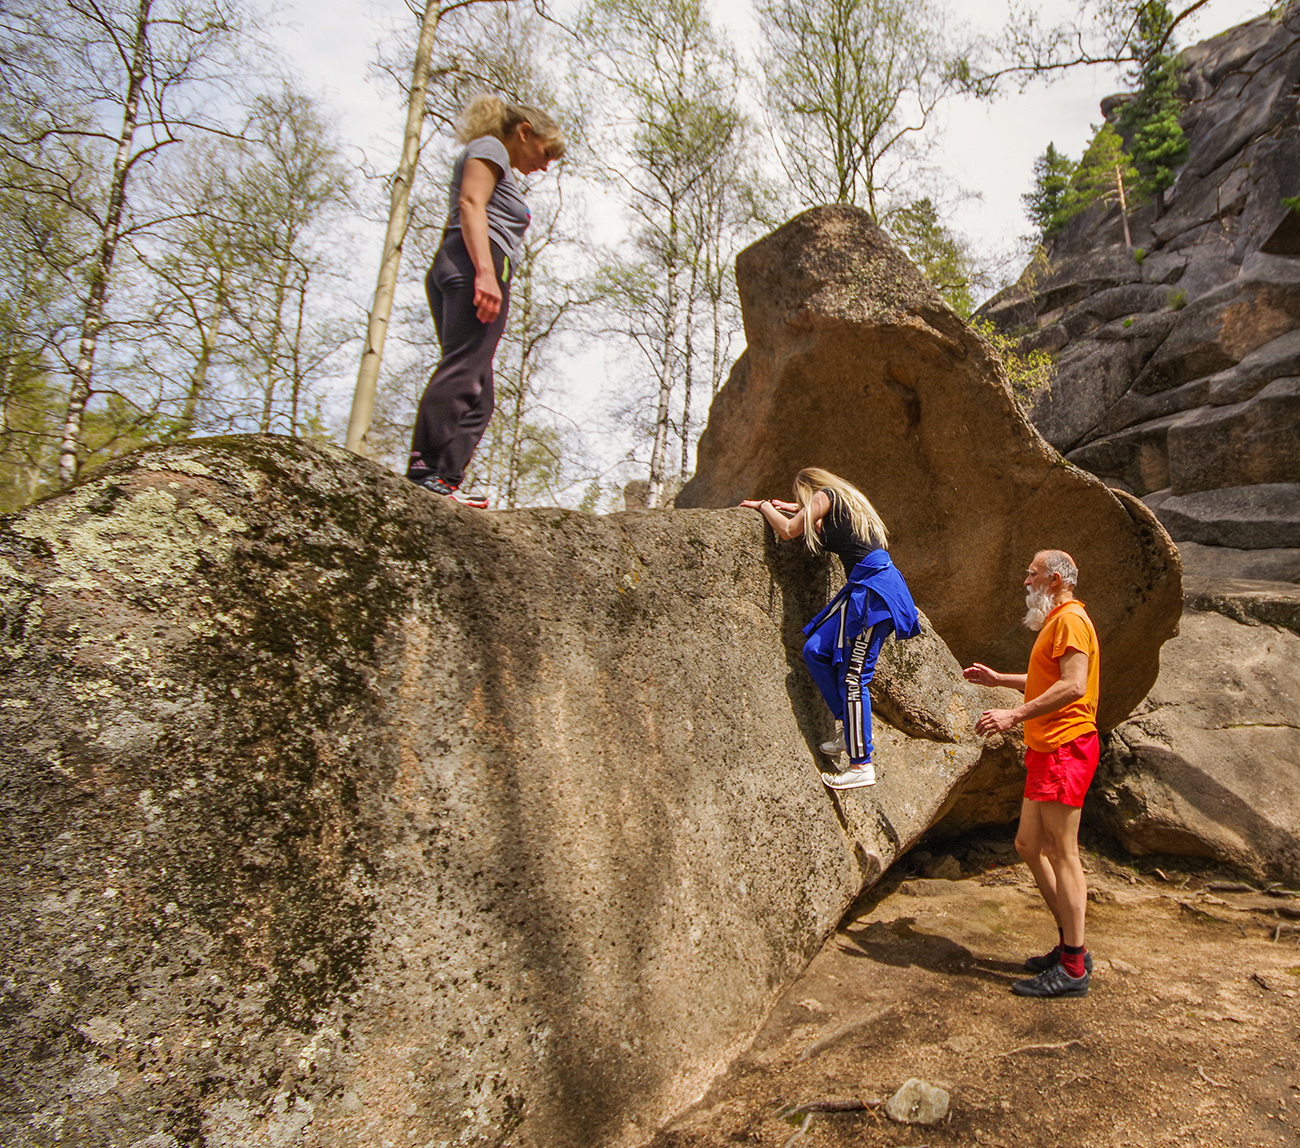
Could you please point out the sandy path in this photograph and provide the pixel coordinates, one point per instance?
(1190, 1036)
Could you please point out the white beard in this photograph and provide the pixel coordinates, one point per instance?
(1038, 604)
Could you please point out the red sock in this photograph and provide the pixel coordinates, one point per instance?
(1072, 959)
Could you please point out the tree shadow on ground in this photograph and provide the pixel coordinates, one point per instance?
(900, 944)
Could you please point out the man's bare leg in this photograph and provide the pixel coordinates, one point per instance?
(1060, 827)
(1048, 841)
(1031, 844)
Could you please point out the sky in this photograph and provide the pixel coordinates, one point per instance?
(986, 149)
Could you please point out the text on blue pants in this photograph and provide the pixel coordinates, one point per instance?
(842, 667)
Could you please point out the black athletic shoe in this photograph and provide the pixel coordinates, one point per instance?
(449, 490)
(1047, 960)
(1053, 982)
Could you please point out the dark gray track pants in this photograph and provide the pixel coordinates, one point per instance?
(458, 402)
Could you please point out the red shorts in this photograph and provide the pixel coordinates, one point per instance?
(1064, 773)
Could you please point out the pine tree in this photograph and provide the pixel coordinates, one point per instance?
(1048, 205)
(1105, 175)
(936, 251)
(1150, 119)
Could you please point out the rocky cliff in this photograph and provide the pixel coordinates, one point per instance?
(853, 363)
(1179, 358)
(335, 814)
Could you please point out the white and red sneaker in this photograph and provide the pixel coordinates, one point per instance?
(450, 490)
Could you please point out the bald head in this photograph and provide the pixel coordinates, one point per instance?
(1060, 563)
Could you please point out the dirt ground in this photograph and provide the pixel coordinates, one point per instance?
(1190, 1036)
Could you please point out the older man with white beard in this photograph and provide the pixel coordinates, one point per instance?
(1062, 747)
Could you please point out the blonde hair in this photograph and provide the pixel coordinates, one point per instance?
(866, 522)
(489, 115)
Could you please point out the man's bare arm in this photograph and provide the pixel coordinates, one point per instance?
(1071, 687)
(981, 675)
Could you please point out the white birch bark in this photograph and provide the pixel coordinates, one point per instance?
(399, 213)
(93, 319)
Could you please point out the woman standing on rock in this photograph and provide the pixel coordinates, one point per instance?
(844, 640)
(469, 283)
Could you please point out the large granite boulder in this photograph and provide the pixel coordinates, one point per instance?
(336, 814)
(1210, 765)
(854, 364)
(1178, 358)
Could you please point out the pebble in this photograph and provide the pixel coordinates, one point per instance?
(917, 1102)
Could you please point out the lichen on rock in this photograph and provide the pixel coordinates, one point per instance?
(337, 812)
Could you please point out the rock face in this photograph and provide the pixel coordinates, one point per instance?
(854, 364)
(1179, 360)
(336, 814)
(1210, 765)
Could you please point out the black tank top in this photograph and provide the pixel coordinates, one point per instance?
(838, 537)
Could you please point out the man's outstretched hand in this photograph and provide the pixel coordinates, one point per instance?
(981, 675)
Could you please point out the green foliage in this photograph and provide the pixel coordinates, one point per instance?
(531, 468)
(1292, 202)
(1027, 372)
(851, 85)
(680, 157)
(1150, 119)
(1105, 172)
(116, 426)
(41, 240)
(1139, 254)
(29, 437)
(1108, 172)
(936, 251)
(1176, 299)
(1049, 204)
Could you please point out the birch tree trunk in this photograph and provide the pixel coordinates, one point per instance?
(659, 452)
(1123, 205)
(93, 320)
(363, 400)
(208, 334)
(688, 381)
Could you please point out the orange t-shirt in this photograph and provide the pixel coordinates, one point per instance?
(1067, 627)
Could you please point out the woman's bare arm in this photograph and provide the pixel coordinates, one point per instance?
(477, 183)
(794, 526)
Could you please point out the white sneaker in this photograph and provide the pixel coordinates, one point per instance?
(853, 778)
(833, 748)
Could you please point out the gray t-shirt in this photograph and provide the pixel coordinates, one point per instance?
(507, 211)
